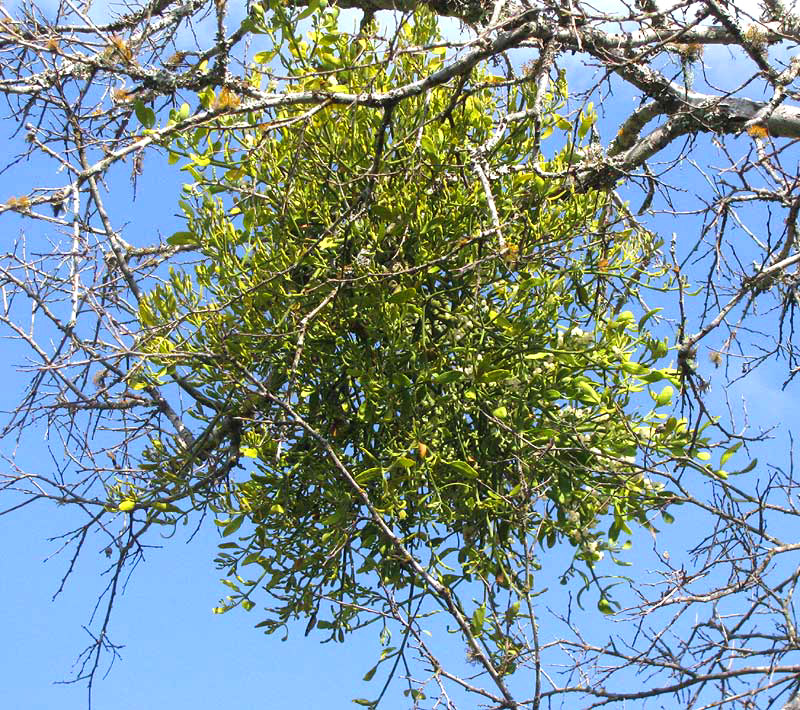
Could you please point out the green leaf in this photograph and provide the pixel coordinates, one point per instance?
(181, 238)
(427, 144)
(501, 412)
(635, 368)
(647, 316)
(233, 526)
(653, 376)
(478, 617)
(605, 606)
(729, 452)
(369, 474)
(664, 397)
(588, 393)
(495, 376)
(401, 379)
(199, 160)
(144, 114)
(403, 295)
(464, 468)
(747, 468)
(145, 314)
(584, 126)
(403, 462)
(444, 378)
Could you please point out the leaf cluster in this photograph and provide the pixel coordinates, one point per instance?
(470, 355)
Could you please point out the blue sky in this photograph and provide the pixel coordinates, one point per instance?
(176, 652)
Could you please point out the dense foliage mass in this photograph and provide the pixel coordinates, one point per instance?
(387, 340)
